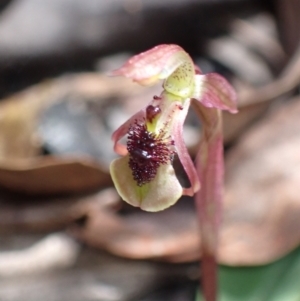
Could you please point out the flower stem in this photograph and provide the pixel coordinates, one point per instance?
(210, 168)
(209, 282)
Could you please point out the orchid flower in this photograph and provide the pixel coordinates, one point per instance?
(144, 176)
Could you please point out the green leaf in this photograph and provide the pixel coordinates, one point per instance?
(279, 281)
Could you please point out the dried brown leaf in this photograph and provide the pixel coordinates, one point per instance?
(19, 214)
(53, 175)
(170, 234)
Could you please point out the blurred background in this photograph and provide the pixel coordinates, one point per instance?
(64, 232)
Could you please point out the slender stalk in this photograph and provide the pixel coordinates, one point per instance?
(210, 167)
(209, 282)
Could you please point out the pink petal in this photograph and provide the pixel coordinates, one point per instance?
(150, 66)
(123, 130)
(214, 91)
(182, 151)
(209, 163)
